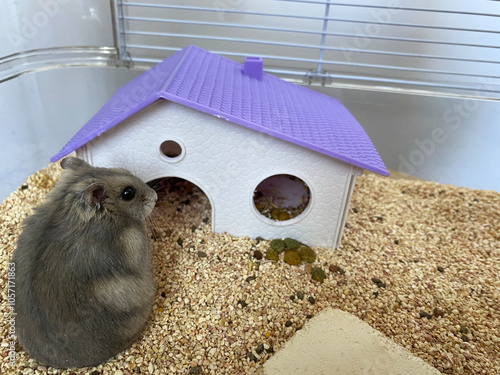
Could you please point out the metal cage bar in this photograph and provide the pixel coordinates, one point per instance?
(410, 49)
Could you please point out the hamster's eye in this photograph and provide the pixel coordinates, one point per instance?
(128, 193)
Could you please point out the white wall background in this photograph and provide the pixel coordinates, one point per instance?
(66, 47)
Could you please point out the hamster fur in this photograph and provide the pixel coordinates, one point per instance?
(84, 281)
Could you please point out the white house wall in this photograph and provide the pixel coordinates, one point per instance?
(227, 162)
(346, 203)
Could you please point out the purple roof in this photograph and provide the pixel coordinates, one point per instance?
(245, 96)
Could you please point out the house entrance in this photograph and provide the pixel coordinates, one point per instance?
(181, 204)
(281, 197)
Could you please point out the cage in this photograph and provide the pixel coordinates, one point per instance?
(423, 80)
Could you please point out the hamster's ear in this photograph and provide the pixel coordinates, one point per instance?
(95, 194)
(73, 163)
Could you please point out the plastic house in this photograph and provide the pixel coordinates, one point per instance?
(240, 135)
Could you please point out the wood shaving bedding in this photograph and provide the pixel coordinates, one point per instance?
(419, 262)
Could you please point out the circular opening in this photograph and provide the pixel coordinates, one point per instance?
(281, 197)
(171, 149)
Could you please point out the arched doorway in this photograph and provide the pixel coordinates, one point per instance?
(181, 205)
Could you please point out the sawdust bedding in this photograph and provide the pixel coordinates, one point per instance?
(419, 262)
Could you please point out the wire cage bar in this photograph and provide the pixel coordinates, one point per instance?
(445, 47)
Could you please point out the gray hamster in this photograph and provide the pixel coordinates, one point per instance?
(84, 279)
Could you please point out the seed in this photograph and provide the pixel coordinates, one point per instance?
(251, 356)
(195, 370)
(378, 282)
(257, 254)
(260, 349)
(424, 314)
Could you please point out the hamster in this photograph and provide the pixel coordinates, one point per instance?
(84, 279)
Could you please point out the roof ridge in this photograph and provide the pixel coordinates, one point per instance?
(185, 52)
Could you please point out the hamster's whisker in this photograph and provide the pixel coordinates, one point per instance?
(156, 185)
(151, 225)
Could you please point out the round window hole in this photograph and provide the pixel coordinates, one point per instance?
(281, 197)
(171, 149)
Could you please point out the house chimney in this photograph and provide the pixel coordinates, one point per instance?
(253, 67)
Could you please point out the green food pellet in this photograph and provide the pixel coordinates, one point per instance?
(292, 257)
(307, 254)
(275, 214)
(283, 216)
(291, 244)
(318, 274)
(272, 255)
(277, 245)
